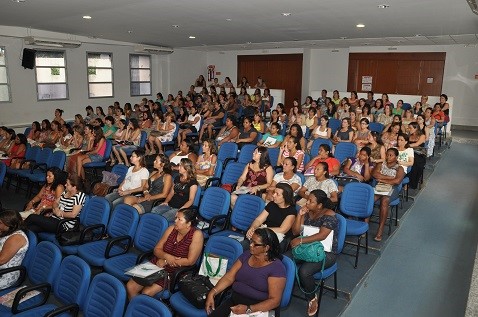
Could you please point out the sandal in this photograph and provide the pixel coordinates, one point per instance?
(378, 238)
(313, 306)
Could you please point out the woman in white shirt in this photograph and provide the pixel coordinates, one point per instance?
(135, 180)
(406, 155)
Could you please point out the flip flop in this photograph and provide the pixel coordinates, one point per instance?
(378, 238)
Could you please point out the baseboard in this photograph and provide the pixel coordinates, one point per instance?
(464, 127)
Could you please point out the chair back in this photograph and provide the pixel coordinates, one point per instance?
(106, 297)
(302, 177)
(406, 106)
(314, 150)
(197, 197)
(143, 139)
(121, 171)
(289, 283)
(232, 172)
(146, 306)
(27, 131)
(150, 229)
(246, 210)
(57, 159)
(334, 124)
(217, 172)
(224, 247)
(123, 222)
(273, 155)
(342, 232)
(43, 266)
(44, 156)
(3, 171)
(245, 156)
(32, 245)
(32, 152)
(215, 201)
(344, 150)
(357, 200)
(109, 146)
(72, 280)
(95, 211)
(376, 126)
(227, 150)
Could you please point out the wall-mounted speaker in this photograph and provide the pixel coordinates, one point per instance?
(28, 58)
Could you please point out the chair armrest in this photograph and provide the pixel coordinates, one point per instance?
(227, 160)
(141, 257)
(72, 308)
(44, 290)
(23, 272)
(119, 241)
(91, 228)
(213, 222)
(41, 166)
(210, 180)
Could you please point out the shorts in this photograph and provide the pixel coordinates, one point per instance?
(95, 157)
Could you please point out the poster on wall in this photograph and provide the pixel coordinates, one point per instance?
(366, 79)
(366, 87)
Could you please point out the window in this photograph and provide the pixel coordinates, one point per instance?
(100, 75)
(140, 74)
(4, 86)
(50, 68)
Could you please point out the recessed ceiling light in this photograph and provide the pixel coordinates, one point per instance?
(383, 6)
(129, 31)
(418, 35)
(192, 37)
(248, 42)
(175, 26)
(87, 17)
(343, 37)
(228, 20)
(360, 25)
(286, 14)
(18, 1)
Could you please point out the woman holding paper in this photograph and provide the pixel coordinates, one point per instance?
(181, 245)
(315, 215)
(257, 279)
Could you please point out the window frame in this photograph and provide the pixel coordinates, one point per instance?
(53, 83)
(9, 89)
(105, 82)
(140, 82)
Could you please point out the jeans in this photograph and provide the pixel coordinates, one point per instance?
(166, 211)
(115, 199)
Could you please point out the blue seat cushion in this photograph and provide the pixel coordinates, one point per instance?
(183, 307)
(327, 272)
(116, 266)
(94, 252)
(356, 228)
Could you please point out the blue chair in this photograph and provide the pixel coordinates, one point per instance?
(3, 172)
(38, 177)
(94, 217)
(106, 297)
(314, 150)
(195, 135)
(42, 269)
(32, 154)
(344, 150)
(227, 152)
(217, 176)
(70, 286)
(150, 229)
(245, 211)
(334, 124)
(289, 284)
(231, 173)
(221, 246)
(40, 165)
(393, 204)
(357, 201)
(100, 165)
(214, 209)
(406, 106)
(142, 143)
(322, 276)
(120, 230)
(376, 126)
(245, 155)
(273, 155)
(145, 306)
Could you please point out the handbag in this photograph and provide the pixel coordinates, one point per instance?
(195, 288)
(72, 237)
(213, 266)
(383, 188)
(308, 252)
(153, 278)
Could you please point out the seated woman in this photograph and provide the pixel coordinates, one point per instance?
(13, 245)
(324, 155)
(310, 120)
(377, 154)
(292, 149)
(257, 175)
(356, 169)
(389, 137)
(16, 152)
(228, 133)
(274, 118)
(183, 193)
(48, 194)
(388, 172)
(79, 121)
(95, 155)
(272, 138)
(408, 117)
(417, 142)
(166, 131)
(278, 215)
(213, 121)
(8, 140)
(68, 206)
(109, 129)
(317, 213)
(186, 150)
(321, 132)
(192, 124)
(345, 133)
(287, 176)
(34, 133)
(181, 245)
(365, 114)
(158, 186)
(88, 140)
(257, 279)
(406, 155)
(132, 138)
(53, 136)
(321, 180)
(258, 123)
(247, 134)
(296, 131)
(65, 142)
(58, 116)
(206, 163)
(386, 117)
(135, 181)
(361, 135)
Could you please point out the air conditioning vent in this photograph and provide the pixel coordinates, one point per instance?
(158, 50)
(48, 42)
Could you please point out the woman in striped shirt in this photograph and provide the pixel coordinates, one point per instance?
(68, 206)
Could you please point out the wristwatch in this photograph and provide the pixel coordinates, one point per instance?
(248, 309)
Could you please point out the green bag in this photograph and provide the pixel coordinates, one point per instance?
(308, 252)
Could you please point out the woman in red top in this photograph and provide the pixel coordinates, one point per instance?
(181, 245)
(95, 155)
(16, 152)
(324, 155)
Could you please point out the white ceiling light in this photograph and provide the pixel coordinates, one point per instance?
(228, 20)
(175, 26)
(87, 17)
(192, 37)
(18, 1)
(286, 14)
(383, 6)
(360, 25)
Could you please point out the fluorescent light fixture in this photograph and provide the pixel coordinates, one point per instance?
(175, 26)
(87, 17)
(192, 37)
(360, 25)
(383, 6)
(286, 14)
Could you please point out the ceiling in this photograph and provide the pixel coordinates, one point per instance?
(220, 25)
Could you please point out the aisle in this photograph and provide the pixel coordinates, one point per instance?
(426, 268)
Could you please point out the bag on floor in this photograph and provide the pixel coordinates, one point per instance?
(195, 288)
(213, 266)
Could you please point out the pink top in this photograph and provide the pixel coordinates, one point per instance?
(102, 150)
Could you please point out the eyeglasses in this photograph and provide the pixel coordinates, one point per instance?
(256, 244)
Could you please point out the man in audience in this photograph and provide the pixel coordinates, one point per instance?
(370, 101)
